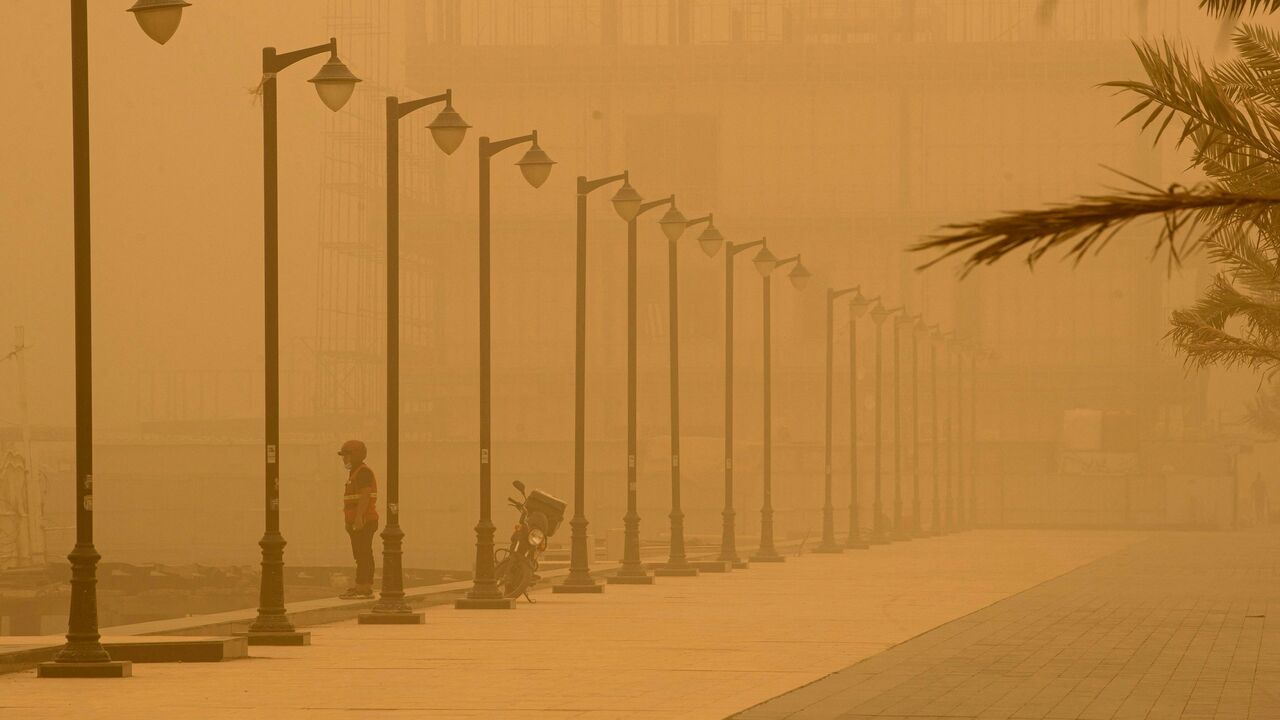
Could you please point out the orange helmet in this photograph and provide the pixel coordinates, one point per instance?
(355, 449)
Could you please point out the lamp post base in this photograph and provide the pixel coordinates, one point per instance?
(741, 565)
(283, 637)
(108, 669)
(685, 570)
(498, 603)
(828, 549)
(713, 566)
(768, 557)
(583, 588)
(391, 618)
(641, 578)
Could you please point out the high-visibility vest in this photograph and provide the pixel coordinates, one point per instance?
(352, 492)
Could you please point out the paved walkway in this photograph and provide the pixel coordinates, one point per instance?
(1177, 628)
(700, 647)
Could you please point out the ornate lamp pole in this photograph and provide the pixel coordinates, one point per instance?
(627, 203)
(973, 429)
(961, 522)
(878, 315)
(915, 327)
(728, 541)
(83, 655)
(934, 337)
(766, 263)
(535, 166)
(632, 571)
(948, 507)
(858, 306)
(899, 532)
(828, 544)
(334, 83)
(448, 130)
(674, 225)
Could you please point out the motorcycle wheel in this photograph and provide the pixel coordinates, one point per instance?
(514, 577)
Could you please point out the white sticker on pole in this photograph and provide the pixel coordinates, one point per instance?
(271, 454)
(631, 461)
(675, 461)
(88, 503)
(484, 456)
(728, 463)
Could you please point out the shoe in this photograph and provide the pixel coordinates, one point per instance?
(351, 594)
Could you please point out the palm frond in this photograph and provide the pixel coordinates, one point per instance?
(1249, 253)
(1226, 126)
(1087, 224)
(1231, 8)
(1205, 345)
(1263, 412)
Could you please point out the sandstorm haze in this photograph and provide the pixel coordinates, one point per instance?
(844, 131)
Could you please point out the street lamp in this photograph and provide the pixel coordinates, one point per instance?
(899, 532)
(158, 18)
(945, 341)
(535, 166)
(960, 520)
(915, 326)
(632, 570)
(448, 130)
(83, 655)
(983, 354)
(934, 337)
(709, 240)
(626, 205)
(828, 544)
(728, 540)
(766, 264)
(334, 84)
(878, 315)
(858, 306)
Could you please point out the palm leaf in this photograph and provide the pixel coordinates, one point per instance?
(1231, 8)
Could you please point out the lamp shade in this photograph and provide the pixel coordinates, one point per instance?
(673, 223)
(536, 165)
(878, 313)
(799, 276)
(158, 18)
(858, 304)
(765, 262)
(710, 240)
(334, 83)
(626, 202)
(448, 129)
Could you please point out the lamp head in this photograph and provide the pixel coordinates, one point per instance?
(858, 304)
(710, 240)
(626, 202)
(335, 82)
(765, 262)
(158, 18)
(448, 129)
(878, 313)
(536, 164)
(673, 223)
(799, 276)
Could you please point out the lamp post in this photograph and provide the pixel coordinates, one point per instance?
(448, 130)
(915, 326)
(627, 203)
(948, 506)
(934, 337)
(899, 532)
(83, 655)
(960, 521)
(828, 544)
(728, 541)
(632, 571)
(878, 315)
(973, 429)
(535, 166)
(858, 306)
(766, 264)
(334, 84)
(674, 225)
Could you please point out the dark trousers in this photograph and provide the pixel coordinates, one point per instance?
(362, 550)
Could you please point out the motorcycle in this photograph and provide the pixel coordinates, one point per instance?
(516, 565)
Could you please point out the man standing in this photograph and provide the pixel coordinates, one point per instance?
(360, 512)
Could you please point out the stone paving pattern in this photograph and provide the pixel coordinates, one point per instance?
(701, 647)
(1185, 626)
